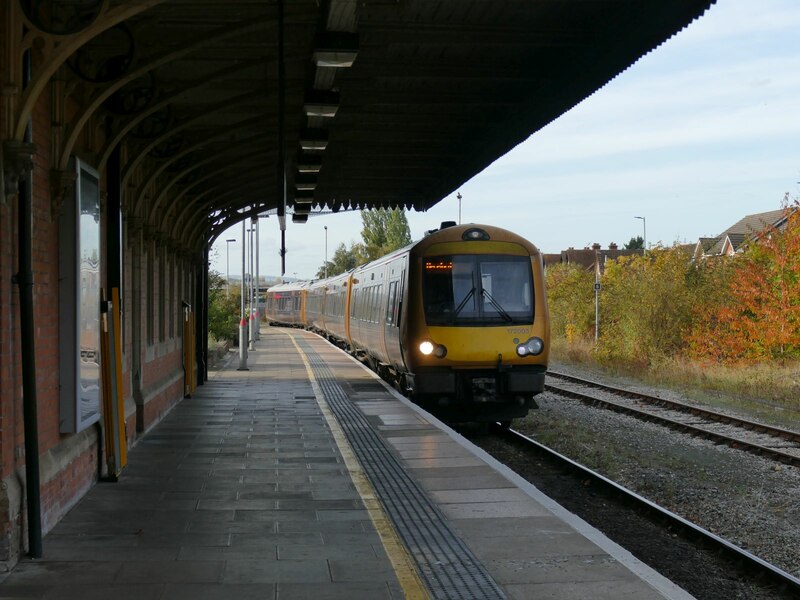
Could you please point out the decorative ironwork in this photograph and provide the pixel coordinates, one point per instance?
(16, 160)
(189, 178)
(169, 147)
(133, 97)
(153, 125)
(62, 184)
(106, 57)
(61, 17)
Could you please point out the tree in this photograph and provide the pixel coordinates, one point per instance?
(344, 259)
(759, 317)
(570, 296)
(223, 309)
(636, 243)
(646, 305)
(383, 231)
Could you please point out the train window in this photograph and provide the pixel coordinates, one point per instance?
(390, 303)
(477, 289)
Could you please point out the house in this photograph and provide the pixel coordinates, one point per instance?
(589, 258)
(735, 238)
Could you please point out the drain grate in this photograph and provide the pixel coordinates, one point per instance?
(448, 567)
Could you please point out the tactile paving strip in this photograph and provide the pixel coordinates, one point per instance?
(449, 568)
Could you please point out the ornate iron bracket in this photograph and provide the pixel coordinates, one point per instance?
(62, 183)
(16, 159)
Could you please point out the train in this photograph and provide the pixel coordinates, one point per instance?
(457, 321)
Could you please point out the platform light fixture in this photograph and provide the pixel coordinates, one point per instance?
(299, 218)
(302, 209)
(321, 103)
(336, 49)
(309, 163)
(305, 182)
(313, 139)
(304, 197)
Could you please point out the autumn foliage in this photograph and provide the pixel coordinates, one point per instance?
(759, 318)
(744, 308)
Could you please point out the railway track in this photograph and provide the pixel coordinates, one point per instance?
(775, 443)
(741, 561)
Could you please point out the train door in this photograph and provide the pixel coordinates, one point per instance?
(393, 312)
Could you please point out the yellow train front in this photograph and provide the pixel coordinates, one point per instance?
(458, 320)
(476, 336)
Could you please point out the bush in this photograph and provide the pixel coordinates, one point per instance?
(646, 305)
(223, 310)
(570, 296)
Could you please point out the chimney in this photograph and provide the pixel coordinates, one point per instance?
(612, 246)
(596, 246)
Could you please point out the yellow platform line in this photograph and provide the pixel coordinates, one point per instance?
(403, 564)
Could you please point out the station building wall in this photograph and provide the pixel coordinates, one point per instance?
(156, 280)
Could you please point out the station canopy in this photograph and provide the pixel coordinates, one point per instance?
(374, 103)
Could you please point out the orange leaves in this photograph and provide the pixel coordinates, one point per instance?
(744, 308)
(759, 317)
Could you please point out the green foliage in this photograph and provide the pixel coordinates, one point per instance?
(223, 309)
(343, 260)
(384, 230)
(646, 305)
(570, 296)
(636, 243)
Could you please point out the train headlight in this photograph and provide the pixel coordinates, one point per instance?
(532, 347)
(474, 234)
(426, 348)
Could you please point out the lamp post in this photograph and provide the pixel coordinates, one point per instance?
(243, 321)
(258, 313)
(458, 195)
(644, 227)
(326, 251)
(228, 272)
(250, 290)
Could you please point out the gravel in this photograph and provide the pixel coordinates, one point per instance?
(752, 502)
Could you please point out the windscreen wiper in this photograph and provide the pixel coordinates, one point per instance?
(463, 303)
(501, 311)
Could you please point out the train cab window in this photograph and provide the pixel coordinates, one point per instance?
(477, 289)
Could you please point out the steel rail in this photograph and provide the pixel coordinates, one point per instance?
(734, 442)
(684, 527)
(787, 434)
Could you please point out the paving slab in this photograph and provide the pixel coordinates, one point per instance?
(265, 485)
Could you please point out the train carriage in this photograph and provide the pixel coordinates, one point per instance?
(336, 309)
(457, 320)
(286, 304)
(477, 335)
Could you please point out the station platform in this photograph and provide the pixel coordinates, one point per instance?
(306, 477)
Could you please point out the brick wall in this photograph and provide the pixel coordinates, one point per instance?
(69, 462)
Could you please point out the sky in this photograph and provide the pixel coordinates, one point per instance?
(702, 131)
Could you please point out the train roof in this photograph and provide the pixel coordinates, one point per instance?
(458, 233)
(290, 286)
(451, 233)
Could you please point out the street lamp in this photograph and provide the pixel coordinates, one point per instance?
(243, 322)
(644, 227)
(250, 292)
(458, 195)
(326, 251)
(228, 272)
